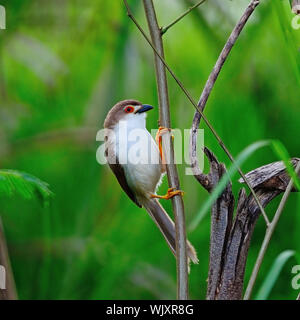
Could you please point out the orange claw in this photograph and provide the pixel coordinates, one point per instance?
(170, 194)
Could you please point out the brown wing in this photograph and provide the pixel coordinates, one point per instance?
(120, 175)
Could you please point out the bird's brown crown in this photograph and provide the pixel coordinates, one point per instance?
(117, 112)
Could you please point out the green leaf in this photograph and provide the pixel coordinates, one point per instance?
(16, 182)
(283, 154)
(283, 15)
(273, 275)
(241, 158)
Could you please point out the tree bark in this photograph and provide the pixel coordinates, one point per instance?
(230, 238)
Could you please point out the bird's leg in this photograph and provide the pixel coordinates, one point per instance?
(158, 139)
(161, 131)
(170, 194)
(171, 191)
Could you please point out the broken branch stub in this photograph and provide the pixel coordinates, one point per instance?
(231, 237)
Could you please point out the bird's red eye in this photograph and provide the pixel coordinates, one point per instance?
(129, 109)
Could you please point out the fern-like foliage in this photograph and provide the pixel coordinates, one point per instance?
(16, 182)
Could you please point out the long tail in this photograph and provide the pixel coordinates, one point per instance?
(167, 227)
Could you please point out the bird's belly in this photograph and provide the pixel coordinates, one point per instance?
(143, 178)
(143, 165)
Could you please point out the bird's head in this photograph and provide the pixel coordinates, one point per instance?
(127, 110)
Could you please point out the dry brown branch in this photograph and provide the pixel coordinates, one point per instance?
(276, 178)
(173, 179)
(202, 178)
(230, 239)
(221, 220)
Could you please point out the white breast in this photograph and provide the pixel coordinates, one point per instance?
(135, 144)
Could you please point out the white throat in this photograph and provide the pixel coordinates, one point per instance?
(138, 153)
(135, 121)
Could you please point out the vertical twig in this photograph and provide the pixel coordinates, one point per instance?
(178, 206)
(225, 53)
(10, 292)
(268, 236)
(207, 91)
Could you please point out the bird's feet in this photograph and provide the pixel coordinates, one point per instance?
(170, 194)
(161, 131)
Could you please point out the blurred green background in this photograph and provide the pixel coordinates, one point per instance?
(63, 65)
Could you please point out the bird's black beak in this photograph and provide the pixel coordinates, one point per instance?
(144, 108)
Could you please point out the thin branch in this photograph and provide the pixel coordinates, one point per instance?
(268, 236)
(225, 53)
(165, 29)
(188, 95)
(173, 179)
(206, 93)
